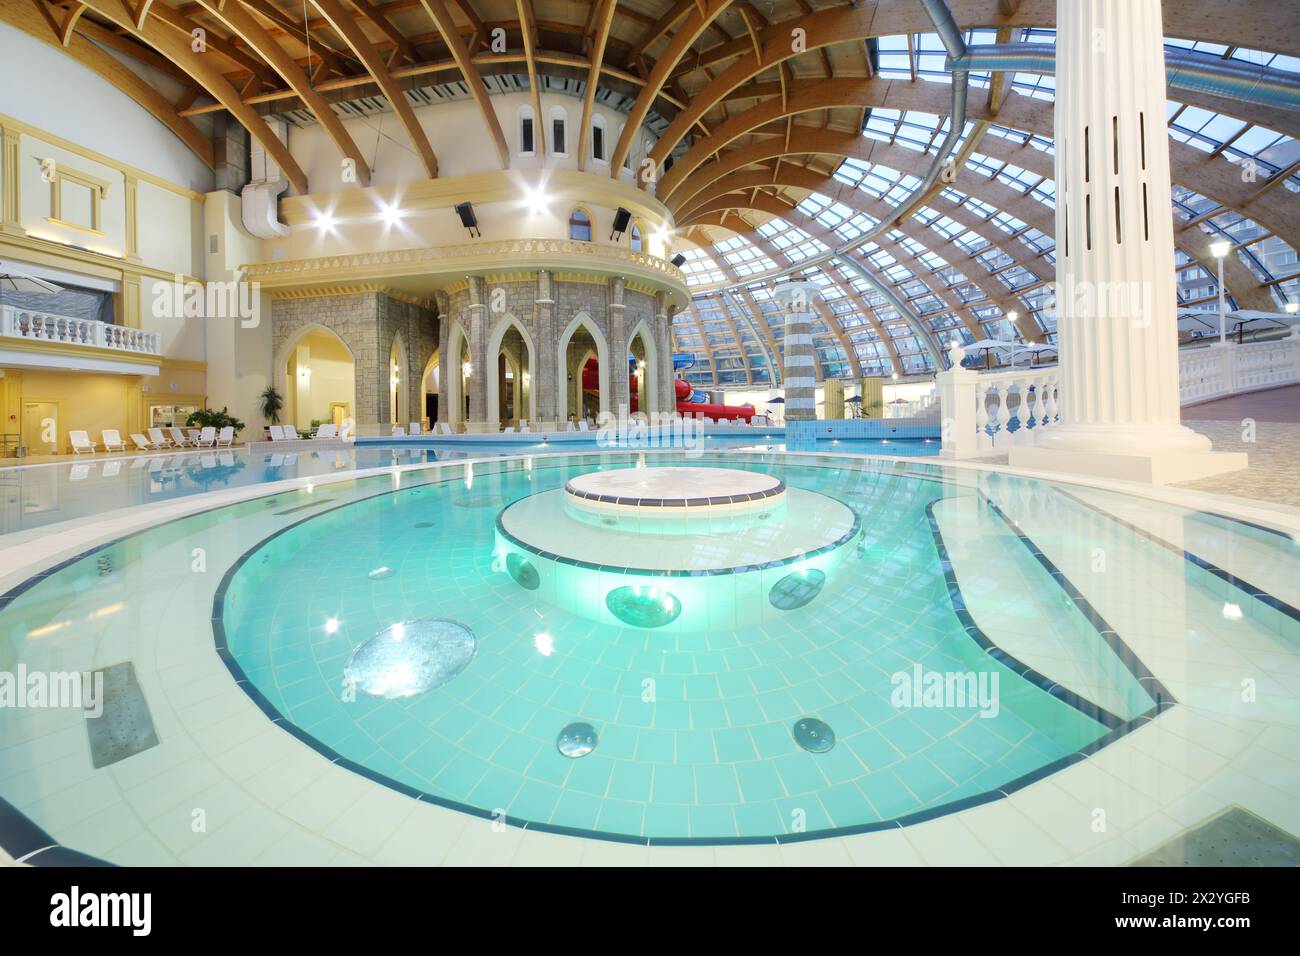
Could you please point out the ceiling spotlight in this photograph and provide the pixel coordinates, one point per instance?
(1220, 250)
(392, 215)
(325, 222)
(1292, 308)
(467, 219)
(536, 200)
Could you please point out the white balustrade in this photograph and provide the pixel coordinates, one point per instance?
(986, 413)
(37, 326)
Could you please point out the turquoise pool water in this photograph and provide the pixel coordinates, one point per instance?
(38, 495)
(694, 727)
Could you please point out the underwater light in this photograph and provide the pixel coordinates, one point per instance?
(332, 625)
(544, 643)
(1232, 612)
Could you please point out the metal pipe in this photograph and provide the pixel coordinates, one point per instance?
(1187, 71)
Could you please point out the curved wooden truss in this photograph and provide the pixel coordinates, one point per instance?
(762, 100)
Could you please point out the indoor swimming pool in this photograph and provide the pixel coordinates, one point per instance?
(36, 496)
(652, 649)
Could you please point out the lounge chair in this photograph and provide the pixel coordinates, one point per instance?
(112, 440)
(207, 437)
(193, 436)
(524, 429)
(178, 437)
(141, 443)
(81, 443)
(226, 437)
(443, 428)
(329, 430)
(277, 433)
(158, 439)
(570, 427)
(508, 430)
(398, 431)
(291, 433)
(416, 428)
(583, 426)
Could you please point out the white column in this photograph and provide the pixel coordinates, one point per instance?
(799, 373)
(1116, 294)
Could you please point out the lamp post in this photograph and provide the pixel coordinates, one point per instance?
(1220, 251)
(1013, 317)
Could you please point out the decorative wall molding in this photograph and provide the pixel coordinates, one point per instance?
(651, 273)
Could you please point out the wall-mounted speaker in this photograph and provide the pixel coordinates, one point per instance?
(621, 219)
(467, 218)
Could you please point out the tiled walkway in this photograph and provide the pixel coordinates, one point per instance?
(1265, 425)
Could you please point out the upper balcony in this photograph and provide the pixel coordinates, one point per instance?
(34, 339)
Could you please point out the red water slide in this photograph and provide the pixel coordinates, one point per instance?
(591, 383)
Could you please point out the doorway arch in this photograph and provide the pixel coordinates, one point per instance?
(569, 369)
(316, 374)
(525, 374)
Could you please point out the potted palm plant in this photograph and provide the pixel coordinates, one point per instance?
(271, 404)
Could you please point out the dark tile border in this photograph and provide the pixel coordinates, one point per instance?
(670, 573)
(1241, 584)
(707, 500)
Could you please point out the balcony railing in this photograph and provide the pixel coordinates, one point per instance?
(35, 326)
(991, 412)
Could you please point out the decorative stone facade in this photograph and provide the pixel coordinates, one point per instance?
(549, 310)
(368, 323)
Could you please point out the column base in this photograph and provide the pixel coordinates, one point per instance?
(1152, 468)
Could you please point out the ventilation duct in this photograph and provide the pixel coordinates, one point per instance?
(1187, 71)
(260, 206)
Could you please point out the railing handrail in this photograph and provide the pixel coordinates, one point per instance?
(67, 329)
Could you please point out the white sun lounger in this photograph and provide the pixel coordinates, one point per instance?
(158, 439)
(226, 437)
(141, 443)
(398, 431)
(570, 427)
(345, 433)
(583, 426)
(81, 443)
(207, 437)
(291, 433)
(328, 430)
(443, 428)
(178, 437)
(277, 433)
(508, 430)
(416, 428)
(112, 440)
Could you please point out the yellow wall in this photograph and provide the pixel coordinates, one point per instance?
(91, 401)
(332, 379)
(873, 398)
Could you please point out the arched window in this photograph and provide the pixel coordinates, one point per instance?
(559, 122)
(598, 144)
(527, 131)
(634, 238)
(580, 224)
